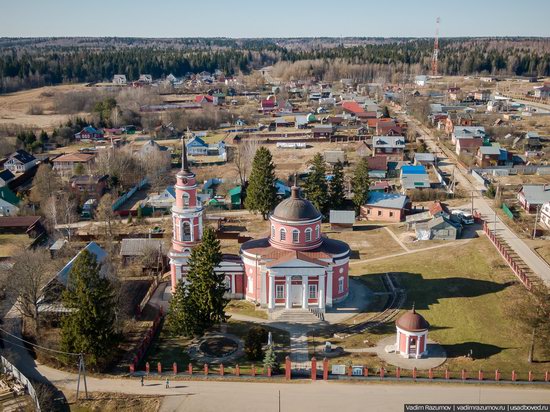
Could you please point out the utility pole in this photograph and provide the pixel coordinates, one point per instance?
(81, 372)
(472, 202)
(536, 221)
(495, 224)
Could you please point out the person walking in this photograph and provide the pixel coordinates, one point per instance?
(141, 380)
(167, 383)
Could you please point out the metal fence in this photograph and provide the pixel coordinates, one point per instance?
(7, 367)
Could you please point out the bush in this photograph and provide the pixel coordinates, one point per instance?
(254, 341)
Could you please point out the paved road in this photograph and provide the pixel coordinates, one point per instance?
(318, 396)
(466, 182)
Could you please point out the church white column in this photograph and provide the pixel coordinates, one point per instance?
(329, 288)
(417, 347)
(321, 292)
(397, 348)
(288, 287)
(271, 301)
(305, 292)
(407, 346)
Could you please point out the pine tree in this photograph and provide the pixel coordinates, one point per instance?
(316, 187)
(199, 303)
(261, 192)
(360, 184)
(89, 327)
(337, 190)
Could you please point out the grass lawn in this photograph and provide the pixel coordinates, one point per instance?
(366, 241)
(243, 307)
(467, 294)
(169, 349)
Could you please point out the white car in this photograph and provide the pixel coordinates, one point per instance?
(465, 217)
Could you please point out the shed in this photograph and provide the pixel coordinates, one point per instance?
(342, 219)
(235, 195)
(439, 228)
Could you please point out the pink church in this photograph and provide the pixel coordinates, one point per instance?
(295, 266)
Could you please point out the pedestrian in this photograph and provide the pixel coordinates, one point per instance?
(141, 380)
(167, 383)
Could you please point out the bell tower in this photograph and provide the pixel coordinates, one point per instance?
(186, 220)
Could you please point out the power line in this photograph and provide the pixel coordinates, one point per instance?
(38, 346)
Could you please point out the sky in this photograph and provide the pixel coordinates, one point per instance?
(278, 18)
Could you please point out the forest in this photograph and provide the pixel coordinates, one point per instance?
(28, 63)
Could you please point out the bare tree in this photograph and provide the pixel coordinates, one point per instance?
(121, 165)
(31, 270)
(106, 215)
(46, 182)
(60, 209)
(243, 158)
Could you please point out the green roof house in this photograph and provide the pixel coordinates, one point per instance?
(8, 202)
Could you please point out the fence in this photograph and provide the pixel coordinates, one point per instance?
(120, 201)
(514, 263)
(147, 296)
(324, 370)
(507, 211)
(7, 367)
(147, 340)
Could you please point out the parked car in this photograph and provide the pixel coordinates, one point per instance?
(465, 217)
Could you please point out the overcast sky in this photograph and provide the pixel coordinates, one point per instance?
(279, 18)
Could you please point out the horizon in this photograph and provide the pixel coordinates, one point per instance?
(288, 19)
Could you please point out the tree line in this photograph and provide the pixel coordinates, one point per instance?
(22, 65)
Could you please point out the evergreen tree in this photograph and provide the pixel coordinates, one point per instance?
(270, 359)
(261, 192)
(316, 187)
(254, 341)
(337, 190)
(89, 327)
(360, 184)
(199, 303)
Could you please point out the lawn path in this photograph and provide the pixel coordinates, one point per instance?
(394, 236)
(460, 242)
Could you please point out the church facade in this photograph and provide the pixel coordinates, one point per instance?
(295, 266)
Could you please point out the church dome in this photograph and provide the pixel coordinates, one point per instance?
(412, 322)
(296, 208)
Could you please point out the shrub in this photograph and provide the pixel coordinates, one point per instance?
(254, 341)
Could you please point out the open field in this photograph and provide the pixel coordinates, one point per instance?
(244, 307)
(15, 107)
(468, 295)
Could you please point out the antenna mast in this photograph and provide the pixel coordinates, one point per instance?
(436, 49)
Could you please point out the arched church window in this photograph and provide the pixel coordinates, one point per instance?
(273, 231)
(283, 234)
(308, 234)
(186, 199)
(317, 232)
(186, 236)
(295, 236)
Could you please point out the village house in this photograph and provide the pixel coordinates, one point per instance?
(467, 132)
(457, 119)
(30, 225)
(392, 147)
(378, 167)
(545, 214)
(414, 177)
(162, 201)
(6, 176)
(66, 164)
(154, 152)
(268, 105)
(20, 162)
(532, 197)
(341, 219)
(468, 146)
(542, 92)
(532, 142)
(145, 78)
(482, 95)
(198, 147)
(439, 228)
(136, 250)
(424, 159)
(323, 131)
(421, 80)
(389, 207)
(8, 202)
(89, 185)
(492, 155)
(119, 79)
(90, 133)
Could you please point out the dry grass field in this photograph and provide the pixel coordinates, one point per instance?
(16, 108)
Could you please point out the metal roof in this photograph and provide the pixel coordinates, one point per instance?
(388, 200)
(136, 247)
(342, 216)
(536, 194)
